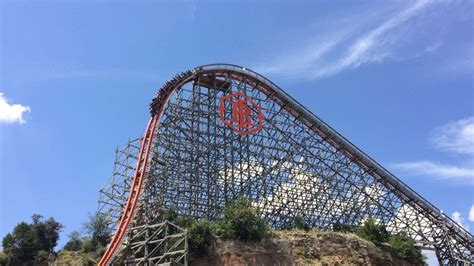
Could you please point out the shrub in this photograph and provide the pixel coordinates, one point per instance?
(99, 251)
(340, 227)
(88, 246)
(405, 248)
(170, 215)
(3, 259)
(200, 237)
(299, 223)
(372, 232)
(241, 222)
(74, 243)
(42, 257)
(87, 259)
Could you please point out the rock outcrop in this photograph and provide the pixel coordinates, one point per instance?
(299, 248)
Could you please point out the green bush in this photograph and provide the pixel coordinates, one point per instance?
(42, 257)
(200, 237)
(373, 232)
(170, 215)
(405, 248)
(239, 221)
(99, 251)
(242, 222)
(340, 227)
(87, 259)
(88, 246)
(3, 259)
(300, 224)
(74, 243)
(31, 243)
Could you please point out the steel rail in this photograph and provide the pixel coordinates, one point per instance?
(137, 181)
(135, 189)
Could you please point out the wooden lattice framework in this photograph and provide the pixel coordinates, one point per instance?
(294, 166)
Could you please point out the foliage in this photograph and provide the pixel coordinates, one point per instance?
(373, 232)
(99, 251)
(345, 228)
(3, 259)
(306, 253)
(87, 259)
(74, 243)
(170, 215)
(200, 236)
(88, 245)
(300, 224)
(47, 232)
(405, 248)
(98, 228)
(241, 222)
(90, 248)
(32, 243)
(42, 257)
(402, 244)
(173, 216)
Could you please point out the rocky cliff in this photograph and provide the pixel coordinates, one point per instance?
(299, 248)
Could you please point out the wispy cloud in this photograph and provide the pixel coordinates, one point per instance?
(455, 174)
(351, 46)
(457, 217)
(12, 113)
(456, 136)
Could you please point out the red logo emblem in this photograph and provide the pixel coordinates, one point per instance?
(240, 113)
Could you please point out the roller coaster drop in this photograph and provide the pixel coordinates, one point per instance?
(222, 131)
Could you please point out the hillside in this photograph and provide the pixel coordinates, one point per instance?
(283, 248)
(299, 248)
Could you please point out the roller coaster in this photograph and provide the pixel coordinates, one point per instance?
(220, 131)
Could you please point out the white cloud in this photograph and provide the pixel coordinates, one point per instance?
(351, 45)
(456, 136)
(430, 256)
(471, 214)
(462, 175)
(373, 46)
(459, 219)
(12, 113)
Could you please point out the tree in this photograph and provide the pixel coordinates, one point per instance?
(31, 243)
(373, 232)
(241, 221)
(200, 236)
(74, 243)
(3, 259)
(405, 248)
(99, 230)
(47, 232)
(21, 245)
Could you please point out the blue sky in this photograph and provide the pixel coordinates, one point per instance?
(394, 77)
